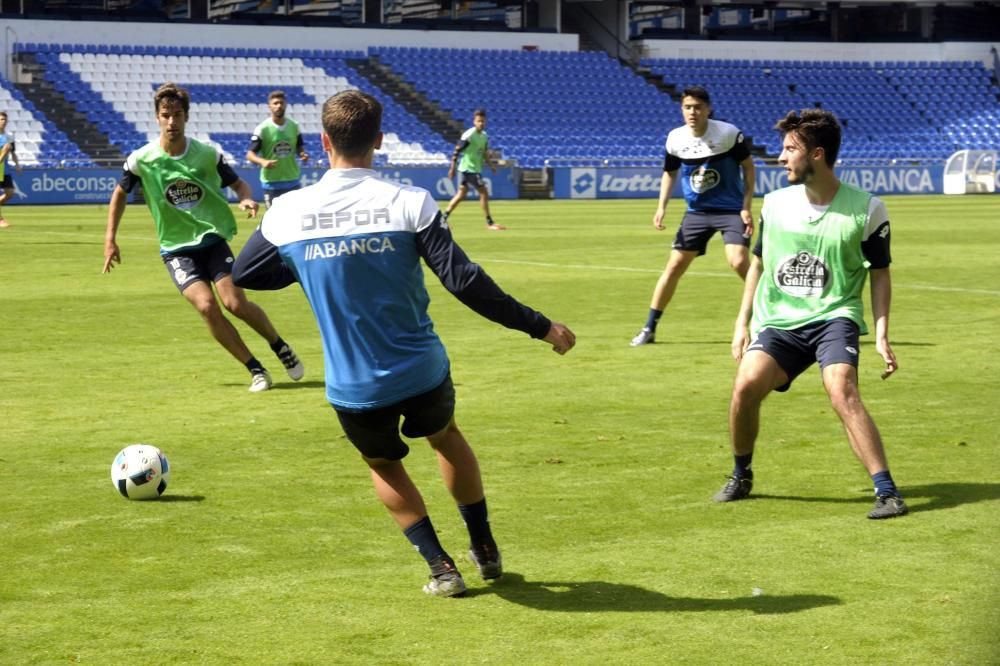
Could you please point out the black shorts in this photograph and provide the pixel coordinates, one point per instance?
(471, 179)
(8, 182)
(375, 432)
(271, 195)
(697, 228)
(825, 342)
(209, 263)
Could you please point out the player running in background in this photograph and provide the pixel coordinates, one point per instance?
(274, 147)
(182, 180)
(819, 241)
(7, 149)
(710, 155)
(355, 243)
(474, 147)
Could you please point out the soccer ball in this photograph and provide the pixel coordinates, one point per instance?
(140, 472)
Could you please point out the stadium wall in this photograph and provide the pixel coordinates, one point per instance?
(76, 186)
(79, 186)
(814, 51)
(644, 183)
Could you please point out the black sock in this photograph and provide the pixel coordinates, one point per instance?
(254, 366)
(653, 319)
(489, 221)
(422, 535)
(477, 522)
(277, 345)
(884, 485)
(742, 469)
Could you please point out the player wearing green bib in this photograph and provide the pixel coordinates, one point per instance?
(474, 148)
(182, 180)
(274, 146)
(819, 240)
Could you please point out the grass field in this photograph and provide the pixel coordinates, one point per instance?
(270, 548)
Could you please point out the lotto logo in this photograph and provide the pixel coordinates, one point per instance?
(583, 184)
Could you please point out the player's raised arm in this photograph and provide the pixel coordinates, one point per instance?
(259, 265)
(242, 189)
(470, 284)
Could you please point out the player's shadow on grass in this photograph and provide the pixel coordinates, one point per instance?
(281, 385)
(939, 496)
(599, 596)
(181, 498)
(284, 386)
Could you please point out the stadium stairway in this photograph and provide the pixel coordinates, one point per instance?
(422, 108)
(92, 146)
(545, 108)
(656, 79)
(104, 93)
(31, 133)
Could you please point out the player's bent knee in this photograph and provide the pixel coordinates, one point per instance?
(751, 387)
(845, 400)
(207, 308)
(235, 306)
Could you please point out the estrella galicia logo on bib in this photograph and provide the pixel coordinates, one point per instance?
(184, 194)
(282, 149)
(802, 274)
(704, 179)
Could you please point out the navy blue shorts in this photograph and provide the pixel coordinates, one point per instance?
(471, 179)
(697, 228)
(375, 432)
(271, 195)
(209, 263)
(825, 342)
(7, 183)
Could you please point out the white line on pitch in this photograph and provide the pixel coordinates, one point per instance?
(624, 269)
(589, 267)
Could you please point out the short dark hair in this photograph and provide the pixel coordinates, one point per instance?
(276, 94)
(815, 128)
(352, 120)
(697, 92)
(171, 92)
(479, 112)
(3, 114)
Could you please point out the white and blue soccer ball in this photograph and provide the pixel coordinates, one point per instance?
(140, 472)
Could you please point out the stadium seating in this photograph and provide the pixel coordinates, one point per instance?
(113, 87)
(38, 141)
(545, 108)
(889, 110)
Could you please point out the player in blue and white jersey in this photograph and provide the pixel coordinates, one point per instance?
(712, 161)
(354, 243)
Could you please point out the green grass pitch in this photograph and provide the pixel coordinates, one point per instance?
(270, 547)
